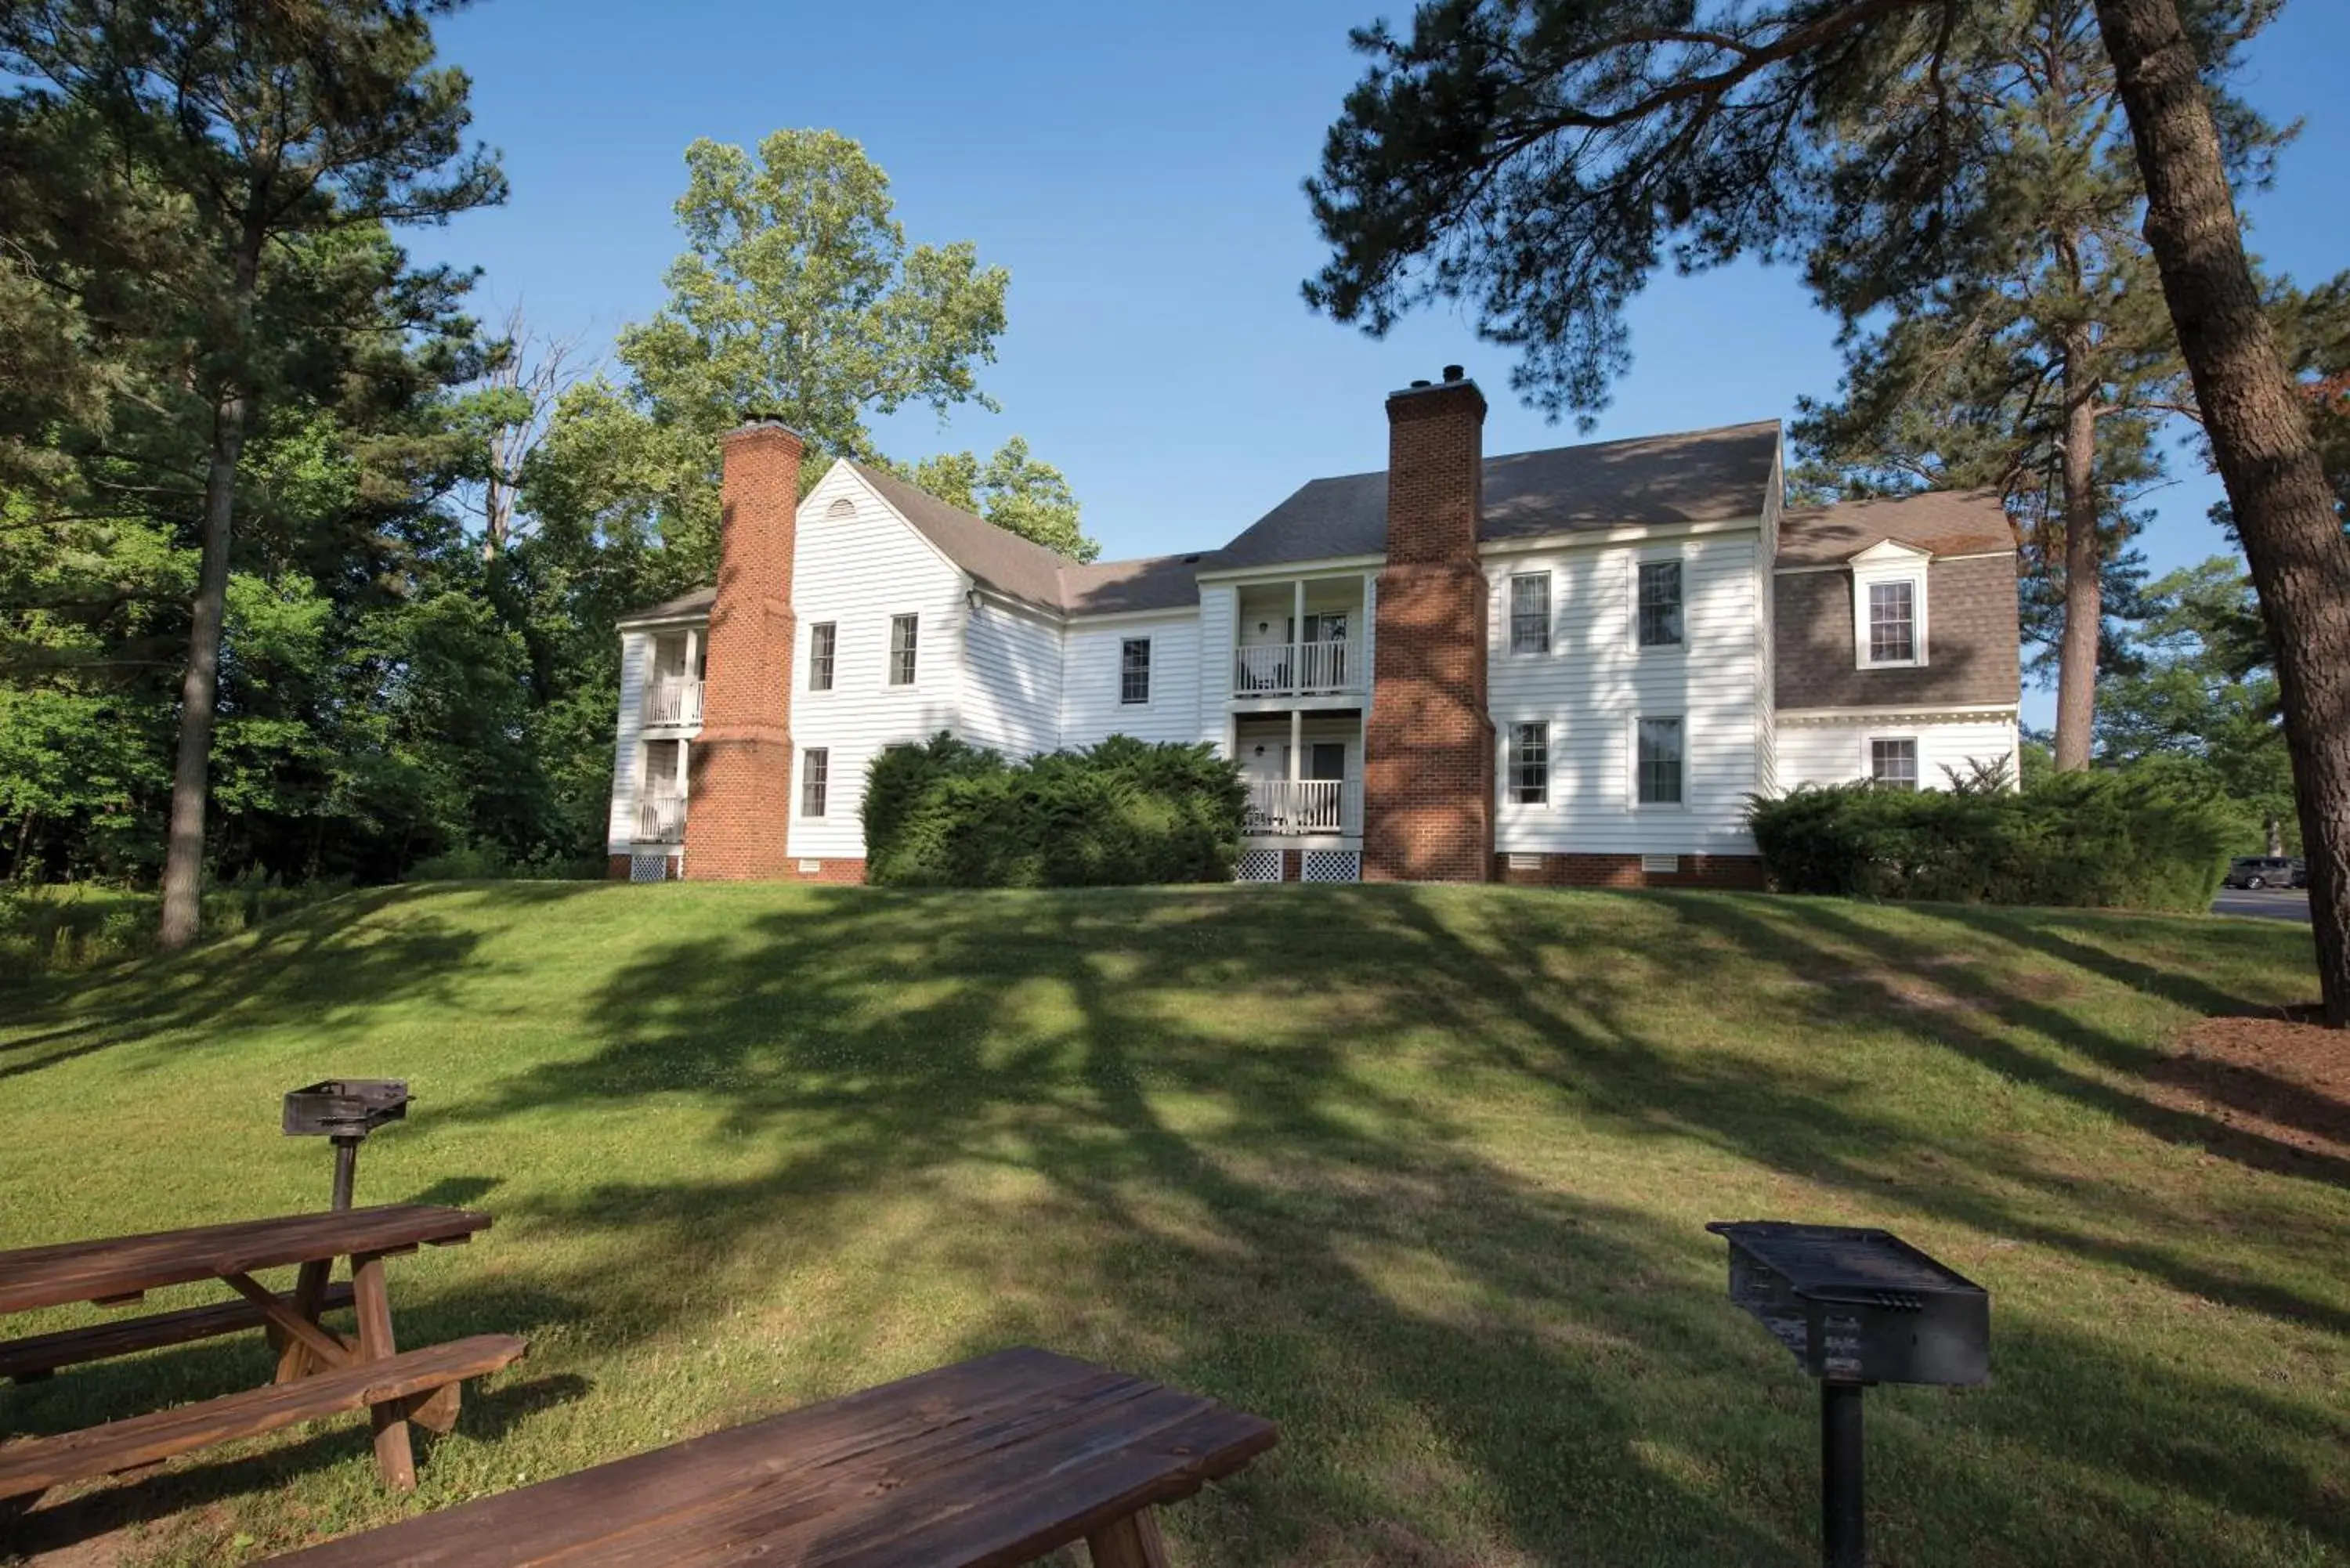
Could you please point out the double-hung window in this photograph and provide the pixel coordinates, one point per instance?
(1530, 613)
(1656, 761)
(1893, 622)
(1530, 764)
(816, 771)
(824, 637)
(1134, 672)
(1893, 763)
(903, 631)
(1660, 604)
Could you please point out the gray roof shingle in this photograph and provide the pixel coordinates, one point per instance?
(1694, 476)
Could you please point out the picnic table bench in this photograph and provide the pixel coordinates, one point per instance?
(320, 1371)
(980, 1464)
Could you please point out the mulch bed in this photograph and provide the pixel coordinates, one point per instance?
(2280, 1077)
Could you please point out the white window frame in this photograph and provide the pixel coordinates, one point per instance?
(1632, 621)
(1510, 765)
(1550, 614)
(890, 681)
(832, 661)
(1632, 764)
(1877, 566)
(1149, 671)
(1868, 741)
(799, 792)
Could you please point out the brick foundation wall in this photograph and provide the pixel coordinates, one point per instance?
(842, 871)
(1744, 872)
(739, 769)
(1427, 744)
(616, 868)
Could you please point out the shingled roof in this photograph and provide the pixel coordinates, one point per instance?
(1694, 476)
(1939, 522)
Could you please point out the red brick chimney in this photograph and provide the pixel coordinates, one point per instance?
(1427, 748)
(739, 769)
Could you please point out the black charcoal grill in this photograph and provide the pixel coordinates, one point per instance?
(345, 1110)
(1855, 1307)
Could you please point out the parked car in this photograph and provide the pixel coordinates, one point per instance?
(2260, 871)
(2301, 874)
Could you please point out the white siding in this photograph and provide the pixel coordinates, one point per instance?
(1011, 680)
(859, 571)
(1594, 682)
(1090, 706)
(620, 825)
(1838, 752)
(1767, 652)
(1214, 661)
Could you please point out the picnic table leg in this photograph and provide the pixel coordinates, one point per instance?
(294, 1358)
(392, 1455)
(1131, 1542)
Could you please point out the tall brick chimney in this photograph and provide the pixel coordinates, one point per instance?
(1428, 748)
(739, 769)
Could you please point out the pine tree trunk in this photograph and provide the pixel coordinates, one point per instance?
(2085, 607)
(183, 854)
(2260, 439)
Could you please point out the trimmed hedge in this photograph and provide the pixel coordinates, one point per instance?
(948, 814)
(2098, 840)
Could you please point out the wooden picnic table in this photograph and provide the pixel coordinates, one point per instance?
(980, 1464)
(320, 1371)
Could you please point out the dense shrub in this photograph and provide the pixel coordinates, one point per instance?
(949, 814)
(2097, 840)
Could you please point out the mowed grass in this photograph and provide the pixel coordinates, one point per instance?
(1421, 1173)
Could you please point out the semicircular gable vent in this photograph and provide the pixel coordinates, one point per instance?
(843, 507)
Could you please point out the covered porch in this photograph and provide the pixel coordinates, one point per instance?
(1304, 774)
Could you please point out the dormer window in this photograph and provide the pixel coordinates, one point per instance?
(1888, 607)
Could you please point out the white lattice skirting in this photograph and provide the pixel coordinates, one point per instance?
(649, 866)
(1333, 866)
(1258, 865)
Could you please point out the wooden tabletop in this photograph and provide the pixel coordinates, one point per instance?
(982, 1465)
(125, 1265)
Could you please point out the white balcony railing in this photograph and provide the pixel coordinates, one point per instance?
(661, 820)
(1304, 806)
(1297, 669)
(673, 700)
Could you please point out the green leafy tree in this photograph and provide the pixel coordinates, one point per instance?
(1013, 491)
(2202, 695)
(250, 131)
(1539, 160)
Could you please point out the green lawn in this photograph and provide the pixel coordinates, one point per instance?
(1423, 1173)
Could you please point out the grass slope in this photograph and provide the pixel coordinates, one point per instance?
(1421, 1173)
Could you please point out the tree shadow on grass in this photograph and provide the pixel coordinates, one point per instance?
(329, 963)
(1193, 1134)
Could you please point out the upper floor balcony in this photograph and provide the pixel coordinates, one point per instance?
(1298, 669)
(674, 699)
(1300, 639)
(661, 820)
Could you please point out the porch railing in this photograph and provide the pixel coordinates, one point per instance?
(1297, 669)
(661, 820)
(1303, 806)
(673, 700)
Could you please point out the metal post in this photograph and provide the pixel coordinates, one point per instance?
(347, 1161)
(1843, 1530)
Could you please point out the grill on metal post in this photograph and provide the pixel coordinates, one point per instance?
(1855, 1307)
(345, 1110)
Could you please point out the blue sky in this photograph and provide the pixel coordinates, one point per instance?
(1136, 170)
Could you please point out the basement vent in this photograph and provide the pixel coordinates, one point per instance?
(811, 867)
(1526, 862)
(644, 867)
(1663, 863)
